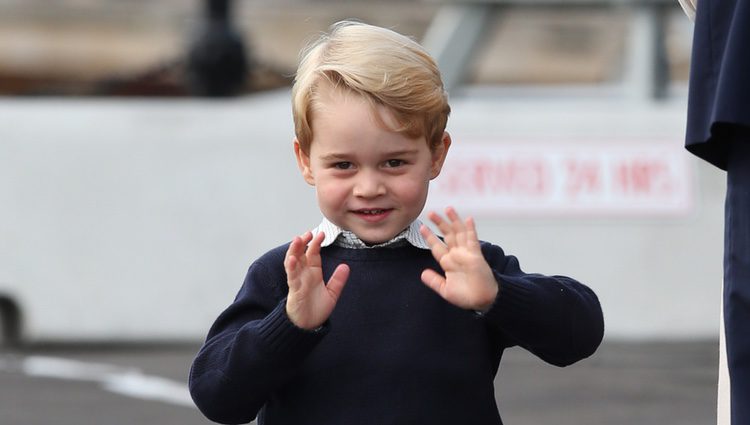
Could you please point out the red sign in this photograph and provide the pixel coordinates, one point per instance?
(551, 179)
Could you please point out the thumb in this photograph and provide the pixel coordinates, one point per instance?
(337, 281)
(434, 281)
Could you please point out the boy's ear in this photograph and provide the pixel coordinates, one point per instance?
(439, 154)
(303, 162)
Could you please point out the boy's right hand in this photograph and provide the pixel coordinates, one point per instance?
(310, 301)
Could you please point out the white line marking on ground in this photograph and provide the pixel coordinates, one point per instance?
(126, 381)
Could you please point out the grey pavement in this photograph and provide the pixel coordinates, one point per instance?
(657, 383)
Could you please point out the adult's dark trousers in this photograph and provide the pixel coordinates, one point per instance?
(737, 276)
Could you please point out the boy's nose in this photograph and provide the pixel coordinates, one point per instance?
(368, 185)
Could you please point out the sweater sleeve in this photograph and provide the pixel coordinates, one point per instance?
(251, 350)
(557, 318)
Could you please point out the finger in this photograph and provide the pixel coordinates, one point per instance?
(441, 224)
(445, 227)
(292, 272)
(295, 247)
(455, 220)
(437, 247)
(337, 281)
(472, 239)
(433, 280)
(313, 246)
(313, 250)
(452, 215)
(457, 225)
(461, 233)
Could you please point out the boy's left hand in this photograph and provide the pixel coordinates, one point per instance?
(469, 282)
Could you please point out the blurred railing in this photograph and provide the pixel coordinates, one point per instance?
(459, 25)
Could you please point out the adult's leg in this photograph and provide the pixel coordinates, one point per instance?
(737, 276)
(723, 413)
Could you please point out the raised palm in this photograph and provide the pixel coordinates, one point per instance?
(310, 301)
(468, 282)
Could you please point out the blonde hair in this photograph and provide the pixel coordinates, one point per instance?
(384, 67)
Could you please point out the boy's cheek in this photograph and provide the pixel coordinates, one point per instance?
(328, 193)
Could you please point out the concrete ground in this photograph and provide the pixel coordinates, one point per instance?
(656, 383)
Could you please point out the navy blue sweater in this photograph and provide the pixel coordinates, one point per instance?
(392, 352)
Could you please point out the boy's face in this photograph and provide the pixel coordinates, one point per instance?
(369, 180)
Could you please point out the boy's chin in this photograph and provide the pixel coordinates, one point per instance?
(374, 240)
(372, 243)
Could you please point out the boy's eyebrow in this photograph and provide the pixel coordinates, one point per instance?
(334, 156)
(404, 152)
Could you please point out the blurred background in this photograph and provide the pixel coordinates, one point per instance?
(145, 161)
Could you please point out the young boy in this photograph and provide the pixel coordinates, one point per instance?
(371, 318)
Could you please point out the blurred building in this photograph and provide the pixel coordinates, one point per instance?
(110, 47)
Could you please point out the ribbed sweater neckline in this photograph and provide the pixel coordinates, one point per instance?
(374, 254)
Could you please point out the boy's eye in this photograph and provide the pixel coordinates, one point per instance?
(344, 165)
(394, 163)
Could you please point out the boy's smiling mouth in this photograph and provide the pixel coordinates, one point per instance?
(373, 214)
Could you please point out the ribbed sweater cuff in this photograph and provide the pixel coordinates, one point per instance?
(514, 301)
(280, 335)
